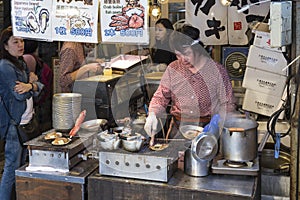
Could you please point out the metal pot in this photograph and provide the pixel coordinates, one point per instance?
(239, 139)
(197, 159)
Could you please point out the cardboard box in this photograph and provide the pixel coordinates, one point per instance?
(262, 103)
(262, 37)
(263, 81)
(266, 60)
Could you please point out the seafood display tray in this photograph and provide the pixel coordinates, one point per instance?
(145, 164)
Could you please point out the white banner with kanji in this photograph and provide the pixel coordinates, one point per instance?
(221, 25)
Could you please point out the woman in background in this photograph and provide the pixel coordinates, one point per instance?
(72, 65)
(161, 53)
(42, 103)
(17, 87)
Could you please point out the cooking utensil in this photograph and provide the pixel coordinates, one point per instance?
(197, 159)
(271, 165)
(78, 123)
(132, 142)
(190, 131)
(108, 141)
(94, 125)
(239, 139)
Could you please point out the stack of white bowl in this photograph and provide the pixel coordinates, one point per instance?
(66, 107)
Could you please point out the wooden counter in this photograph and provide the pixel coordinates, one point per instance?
(54, 185)
(180, 186)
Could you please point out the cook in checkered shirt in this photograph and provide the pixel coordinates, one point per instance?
(195, 86)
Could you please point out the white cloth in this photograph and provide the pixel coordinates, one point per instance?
(28, 114)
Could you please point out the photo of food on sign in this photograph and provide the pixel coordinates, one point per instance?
(38, 21)
(124, 21)
(132, 16)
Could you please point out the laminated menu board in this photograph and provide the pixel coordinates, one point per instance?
(32, 19)
(124, 21)
(75, 20)
(60, 20)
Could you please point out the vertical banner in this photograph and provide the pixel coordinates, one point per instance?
(221, 25)
(75, 20)
(31, 18)
(238, 23)
(124, 21)
(210, 17)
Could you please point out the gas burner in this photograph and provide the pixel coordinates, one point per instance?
(235, 164)
(222, 166)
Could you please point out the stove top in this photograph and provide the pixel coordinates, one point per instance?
(44, 156)
(222, 166)
(78, 141)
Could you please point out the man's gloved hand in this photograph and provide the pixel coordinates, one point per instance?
(151, 124)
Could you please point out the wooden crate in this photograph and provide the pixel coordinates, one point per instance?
(54, 185)
(37, 189)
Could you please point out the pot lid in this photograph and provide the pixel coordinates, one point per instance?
(106, 136)
(204, 147)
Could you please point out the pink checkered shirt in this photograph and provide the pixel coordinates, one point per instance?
(193, 95)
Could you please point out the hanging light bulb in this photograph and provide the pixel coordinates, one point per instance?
(163, 1)
(155, 10)
(226, 2)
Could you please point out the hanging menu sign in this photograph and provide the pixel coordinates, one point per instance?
(124, 21)
(61, 20)
(75, 20)
(31, 19)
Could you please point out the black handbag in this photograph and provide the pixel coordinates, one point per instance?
(27, 131)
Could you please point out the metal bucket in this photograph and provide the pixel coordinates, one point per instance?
(194, 167)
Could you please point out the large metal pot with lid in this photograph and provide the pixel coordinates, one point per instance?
(239, 139)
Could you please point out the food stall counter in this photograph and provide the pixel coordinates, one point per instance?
(36, 185)
(180, 186)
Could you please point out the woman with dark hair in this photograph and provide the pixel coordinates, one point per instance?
(73, 65)
(161, 53)
(17, 86)
(196, 85)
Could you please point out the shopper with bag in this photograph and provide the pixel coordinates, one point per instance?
(17, 87)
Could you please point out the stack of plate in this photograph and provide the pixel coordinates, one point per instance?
(66, 107)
